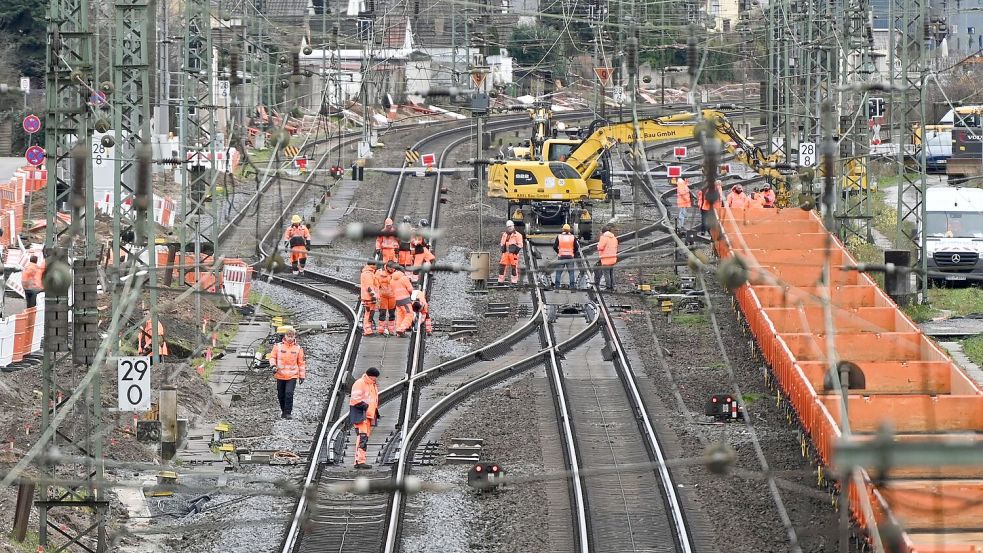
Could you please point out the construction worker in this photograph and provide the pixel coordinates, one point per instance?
(511, 243)
(755, 199)
(287, 362)
(768, 196)
(418, 308)
(31, 281)
(422, 256)
(387, 244)
(707, 207)
(404, 255)
(684, 201)
(607, 252)
(387, 299)
(145, 337)
(363, 412)
(370, 297)
(298, 239)
(566, 247)
(737, 199)
(403, 293)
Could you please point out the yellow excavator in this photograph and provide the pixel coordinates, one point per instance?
(559, 187)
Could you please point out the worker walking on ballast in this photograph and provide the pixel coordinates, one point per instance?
(387, 244)
(298, 239)
(387, 299)
(566, 247)
(370, 296)
(287, 362)
(607, 252)
(511, 243)
(403, 293)
(364, 413)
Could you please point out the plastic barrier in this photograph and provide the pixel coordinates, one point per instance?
(236, 281)
(38, 335)
(907, 381)
(7, 327)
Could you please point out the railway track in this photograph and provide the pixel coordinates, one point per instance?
(331, 521)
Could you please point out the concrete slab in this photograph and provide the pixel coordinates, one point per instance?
(974, 371)
(953, 327)
(329, 220)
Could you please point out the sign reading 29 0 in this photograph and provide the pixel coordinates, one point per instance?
(133, 378)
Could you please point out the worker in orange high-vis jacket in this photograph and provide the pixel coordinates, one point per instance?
(404, 255)
(387, 299)
(508, 263)
(737, 199)
(387, 244)
(31, 281)
(287, 362)
(707, 206)
(567, 249)
(421, 311)
(767, 196)
(423, 259)
(370, 297)
(684, 201)
(607, 252)
(145, 338)
(298, 239)
(363, 413)
(403, 292)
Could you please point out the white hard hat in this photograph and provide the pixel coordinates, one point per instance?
(415, 295)
(509, 223)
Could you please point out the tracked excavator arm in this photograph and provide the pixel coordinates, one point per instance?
(585, 157)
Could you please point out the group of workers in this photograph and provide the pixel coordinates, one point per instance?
(389, 289)
(737, 198)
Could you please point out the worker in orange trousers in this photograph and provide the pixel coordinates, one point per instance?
(511, 243)
(298, 239)
(403, 292)
(387, 299)
(370, 296)
(387, 244)
(363, 412)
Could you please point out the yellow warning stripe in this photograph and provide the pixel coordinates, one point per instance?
(412, 156)
(291, 151)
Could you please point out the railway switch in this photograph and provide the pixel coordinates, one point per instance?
(485, 476)
(724, 407)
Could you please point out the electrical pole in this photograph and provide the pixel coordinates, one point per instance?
(199, 210)
(908, 75)
(133, 221)
(69, 82)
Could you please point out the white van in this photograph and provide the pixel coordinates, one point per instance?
(954, 232)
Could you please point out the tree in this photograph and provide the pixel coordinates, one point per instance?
(22, 26)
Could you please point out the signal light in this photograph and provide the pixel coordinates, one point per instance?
(485, 476)
(723, 407)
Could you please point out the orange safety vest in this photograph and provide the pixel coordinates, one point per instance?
(31, 277)
(387, 242)
(405, 253)
(366, 390)
(145, 338)
(705, 204)
(402, 287)
(607, 249)
(737, 200)
(768, 198)
(565, 244)
(289, 361)
(424, 256)
(298, 236)
(683, 197)
(513, 239)
(369, 283)
(384, 280)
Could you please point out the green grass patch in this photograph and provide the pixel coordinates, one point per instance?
(752, 397)
(973, 347)
(691, 320)
(29, 545)
(865, 252)
(920, 313)
(262, 301)
(960, 301)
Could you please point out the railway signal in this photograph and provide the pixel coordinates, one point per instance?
(485, 476)
(723, 407)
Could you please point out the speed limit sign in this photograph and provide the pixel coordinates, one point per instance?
(133, 379)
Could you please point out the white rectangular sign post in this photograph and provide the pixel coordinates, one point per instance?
(807, 154)
(224, 89)
(133, 378)
(25, 84)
